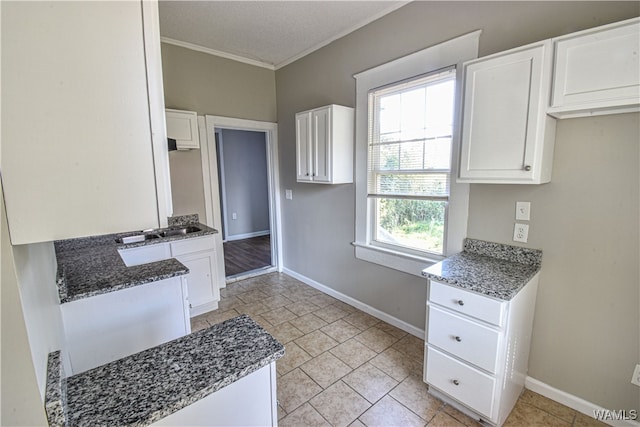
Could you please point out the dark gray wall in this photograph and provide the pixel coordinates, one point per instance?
(246, 191)
(581, 315)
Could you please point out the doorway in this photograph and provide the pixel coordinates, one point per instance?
(240, 177)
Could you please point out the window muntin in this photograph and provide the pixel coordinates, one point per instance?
(409, 161)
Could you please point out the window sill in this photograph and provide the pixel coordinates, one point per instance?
(400, 261)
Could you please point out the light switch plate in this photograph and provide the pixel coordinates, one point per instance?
(288, 194)
(523, 211)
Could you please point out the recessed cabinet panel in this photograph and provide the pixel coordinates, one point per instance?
(324, 145)
(183, 127)
(597, 71)
(506, 135)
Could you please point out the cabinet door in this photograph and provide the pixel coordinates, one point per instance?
(322, 145)
(183, 127)
(303, 147)
(504, 118)
(597, 71)
(202, 289)
(81, 162)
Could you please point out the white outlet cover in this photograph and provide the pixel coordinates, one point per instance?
(521, 233)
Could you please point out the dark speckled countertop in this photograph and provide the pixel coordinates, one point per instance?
(147, 386)
(92, 266)
(488, 268)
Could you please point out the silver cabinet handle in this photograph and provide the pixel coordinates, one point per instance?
(527, 168)
(456, 382)
(460, 302)
(458, 338)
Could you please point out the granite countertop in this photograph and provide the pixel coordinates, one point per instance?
(488, 268)
(147, 386)
(91, 266)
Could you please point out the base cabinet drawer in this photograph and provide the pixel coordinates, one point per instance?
(470, 341)
(461, 382)
(468, 303)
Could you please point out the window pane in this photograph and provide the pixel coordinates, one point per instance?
(439, 108)
(433, 184)
(417, 224)
(437, 154)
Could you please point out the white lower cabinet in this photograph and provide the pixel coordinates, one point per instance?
(107, 327)
(477, 349)
(250, 401)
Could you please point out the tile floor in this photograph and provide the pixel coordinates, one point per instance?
(343, 367)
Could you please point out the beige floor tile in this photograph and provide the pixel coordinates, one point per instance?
(293, 357)
(305, 415)
(526, 415)
(316, 343)
(228, 303)
(583, 420)
(294, 389)
(217, 316)
(388, 412)
(330, 313)
(412, 347)
(325, 369)
(285, 332)
(300, 294)
(412, 393)
(252, 296)
(301, 308)
(376, 339)
(281, 413)
(339, 404)
(391, 330)
(442, 419)
(344, 306)
(361, 320)
(308, 323)
(199, 324)
(463, 418)
(357, 423)
(322, 300)
(273, 290)
(262, 322)
(340, 330)
(278, 315)
(276, 301)
(370, 382)
(232, 289)
(353, 353)
(252, 308)
(548, 405)
(398, 365)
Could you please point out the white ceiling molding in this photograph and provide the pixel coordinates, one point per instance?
(214, 52)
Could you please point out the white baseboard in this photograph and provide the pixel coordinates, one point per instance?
(247, 235)
(400, 324)
(575, 402)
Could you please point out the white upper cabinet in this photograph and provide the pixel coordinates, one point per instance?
(183, 127)
(507, 137)
(597, 71)
(80, 119)
(324, 145)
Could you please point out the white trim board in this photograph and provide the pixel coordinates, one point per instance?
(574, 402)
(378, 314)
(247, 235)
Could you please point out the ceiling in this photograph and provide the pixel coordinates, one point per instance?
(270, 34)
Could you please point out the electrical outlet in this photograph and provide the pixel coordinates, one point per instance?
(288, 194)
(234, 216)
(636, 376)
(521, 233)
(523, 211)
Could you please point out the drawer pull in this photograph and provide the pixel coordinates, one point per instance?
(458, 338)
(460, 302)
(456, 382)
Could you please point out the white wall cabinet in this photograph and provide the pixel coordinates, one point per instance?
(477, 348)
(183, 127)
(597, 71)
(324, 145)
(78, 129)
(507, 137)
(107, 327)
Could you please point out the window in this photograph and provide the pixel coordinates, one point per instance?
(410, 211)
(409, 161)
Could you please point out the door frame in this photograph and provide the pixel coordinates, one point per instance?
(207, 126)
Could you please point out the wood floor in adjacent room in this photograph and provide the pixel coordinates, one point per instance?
(343, 367)
(245, 255)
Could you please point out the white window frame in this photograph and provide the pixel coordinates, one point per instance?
(446, 54)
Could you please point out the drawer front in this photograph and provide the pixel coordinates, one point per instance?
(188, 246)
(469, 303)
(463, 383)
(475, 343)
